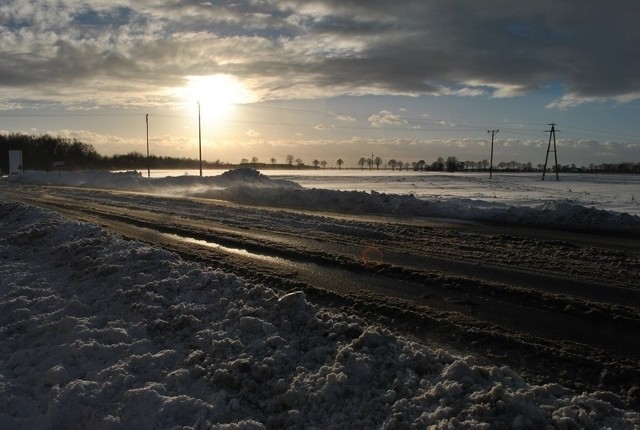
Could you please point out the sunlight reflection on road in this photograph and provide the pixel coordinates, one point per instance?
(236, 251)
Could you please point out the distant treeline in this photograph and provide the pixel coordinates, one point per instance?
(45, 152)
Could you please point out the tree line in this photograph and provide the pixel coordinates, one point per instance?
(42, 151)
(450, 164)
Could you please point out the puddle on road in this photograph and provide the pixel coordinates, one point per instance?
(308, 271)
(235, 251)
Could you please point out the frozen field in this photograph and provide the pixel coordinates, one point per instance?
(611, 192)
(619, 193)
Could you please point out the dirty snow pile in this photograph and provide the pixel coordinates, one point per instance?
(98, 332)
(248, 186)
(134, 180)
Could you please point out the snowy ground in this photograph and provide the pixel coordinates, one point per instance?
(618, 193)
(98, 332)
(603, 203)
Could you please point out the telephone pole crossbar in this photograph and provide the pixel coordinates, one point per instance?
(552, 134)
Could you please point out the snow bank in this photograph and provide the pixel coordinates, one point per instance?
(98, 332)
(251, 187)
(134, 180)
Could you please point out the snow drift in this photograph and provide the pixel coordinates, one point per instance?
(248, 186)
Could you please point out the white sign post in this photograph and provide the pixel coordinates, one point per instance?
(15, 162)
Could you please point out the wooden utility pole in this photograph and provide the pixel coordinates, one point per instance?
(199, 140)
(552, 133)
(493, 133)
(148, 167)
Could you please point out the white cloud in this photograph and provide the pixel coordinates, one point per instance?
(447, 123)
(628, 98)
(110, 144)
(386, 118)
(570, 101)
(346, 118)
(462, 92)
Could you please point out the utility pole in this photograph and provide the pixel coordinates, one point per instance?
(493, 133)
(148, 168)
(199, 139)
(552, 133)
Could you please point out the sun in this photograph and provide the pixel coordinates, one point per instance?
(217, 95)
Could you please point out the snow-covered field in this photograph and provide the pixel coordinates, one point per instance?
(582, 202)
(618, 193)
(99, 332)
(611, 192)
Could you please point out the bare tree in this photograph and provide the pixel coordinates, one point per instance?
(254, 161)
(361, 162)
(244, 161)
(340, 162)
(452, 164)
(438, 164)
(392, 163)
(377, 162)
(315, 163)
(289, 159)
(420, 164)
(370, 163)
(273, 161)
(299, 163)
(323, 163)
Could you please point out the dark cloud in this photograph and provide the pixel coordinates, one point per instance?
(592, 49)
(298, 48)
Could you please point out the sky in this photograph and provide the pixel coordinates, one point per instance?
(327, 79)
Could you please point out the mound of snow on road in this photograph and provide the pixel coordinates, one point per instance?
(98, 332)
(248, 186)
(90, 178)
(245, 177)
(134, 180)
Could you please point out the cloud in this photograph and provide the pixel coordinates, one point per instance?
(109, 144)
(299, 49)
(447, 123)
(408, 149)
(386, 118)
(346, 118)
(467, 91)
(571, 100)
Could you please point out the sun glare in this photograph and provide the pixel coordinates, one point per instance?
(216, 94)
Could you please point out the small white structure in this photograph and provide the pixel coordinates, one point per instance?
(15, 162)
